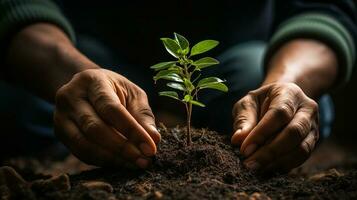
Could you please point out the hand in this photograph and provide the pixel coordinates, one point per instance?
(276, 127)
(105, 120)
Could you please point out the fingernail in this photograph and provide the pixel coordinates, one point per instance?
(249, 150)
(158, 139)
(155, 129)
(235, 138)
(238, 132)
(146, 149)
(252, 165)
(142, 163)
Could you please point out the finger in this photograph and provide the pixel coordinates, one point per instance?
(245, 115)
(291, 136)
(280, 112)
(139, 108)
(109, 108)
(90, 153)
(296, 157)
(294, 133)
(97, 131)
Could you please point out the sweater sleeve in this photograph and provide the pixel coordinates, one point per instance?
(16, 14)
(332, 23)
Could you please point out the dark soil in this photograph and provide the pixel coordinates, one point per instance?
(209, 169)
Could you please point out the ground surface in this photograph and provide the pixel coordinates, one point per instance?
(209, 169)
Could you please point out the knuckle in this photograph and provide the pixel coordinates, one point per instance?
(88, 123)
(106, 109)
(239, 120)
(141, 92)
(305, 149)
(136, 92)
(88, 74)
(292, 88)
(314, 105)
(147, 112)
(243, 104)
(247, 103)
(284, 111)
(62, 96)
(299, 130)
(101, 98)
(252, 93)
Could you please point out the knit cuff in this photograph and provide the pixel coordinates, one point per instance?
(15, 15)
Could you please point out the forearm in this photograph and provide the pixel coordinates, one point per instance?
(42, 58)
(310, 64)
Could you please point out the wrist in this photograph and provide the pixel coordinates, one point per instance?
(42, 58)
(71, 60)
(310, 64)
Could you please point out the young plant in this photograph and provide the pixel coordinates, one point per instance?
(184, 73)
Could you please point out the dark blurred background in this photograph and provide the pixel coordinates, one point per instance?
(132, 38)
(345, 99)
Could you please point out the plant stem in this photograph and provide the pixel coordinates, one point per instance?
(188, 128)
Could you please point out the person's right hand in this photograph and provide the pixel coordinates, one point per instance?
(105, 120)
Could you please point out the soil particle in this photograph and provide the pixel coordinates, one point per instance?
(242, 196)
(56, 183)
(259, 196)
(329, 175)
(10, 178)
(13, 186)
(98, 185)
(158, 195)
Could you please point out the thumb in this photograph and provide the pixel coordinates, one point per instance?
(245, 118)
(143, 114)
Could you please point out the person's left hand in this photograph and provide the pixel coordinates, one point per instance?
(276, 127)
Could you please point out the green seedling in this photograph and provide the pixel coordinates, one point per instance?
(184, 73)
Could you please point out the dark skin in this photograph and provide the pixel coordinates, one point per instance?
(280, 118)
(276, 126)
(89, 100)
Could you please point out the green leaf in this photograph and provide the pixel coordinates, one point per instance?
(171, 46)
(217, 86)
(203, 46)
(163, 65)
(197, 103)
(177, 86)
(171, 94)
(209, 80)
(168, 75)
(183, 42)
(212, 83)
(164, 73)
(205, 62)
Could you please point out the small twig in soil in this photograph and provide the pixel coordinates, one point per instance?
(216, 181)
(174, 133)
(203, 130)
(163, 127)
(189, 179)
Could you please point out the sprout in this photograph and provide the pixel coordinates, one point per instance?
(184, 74)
